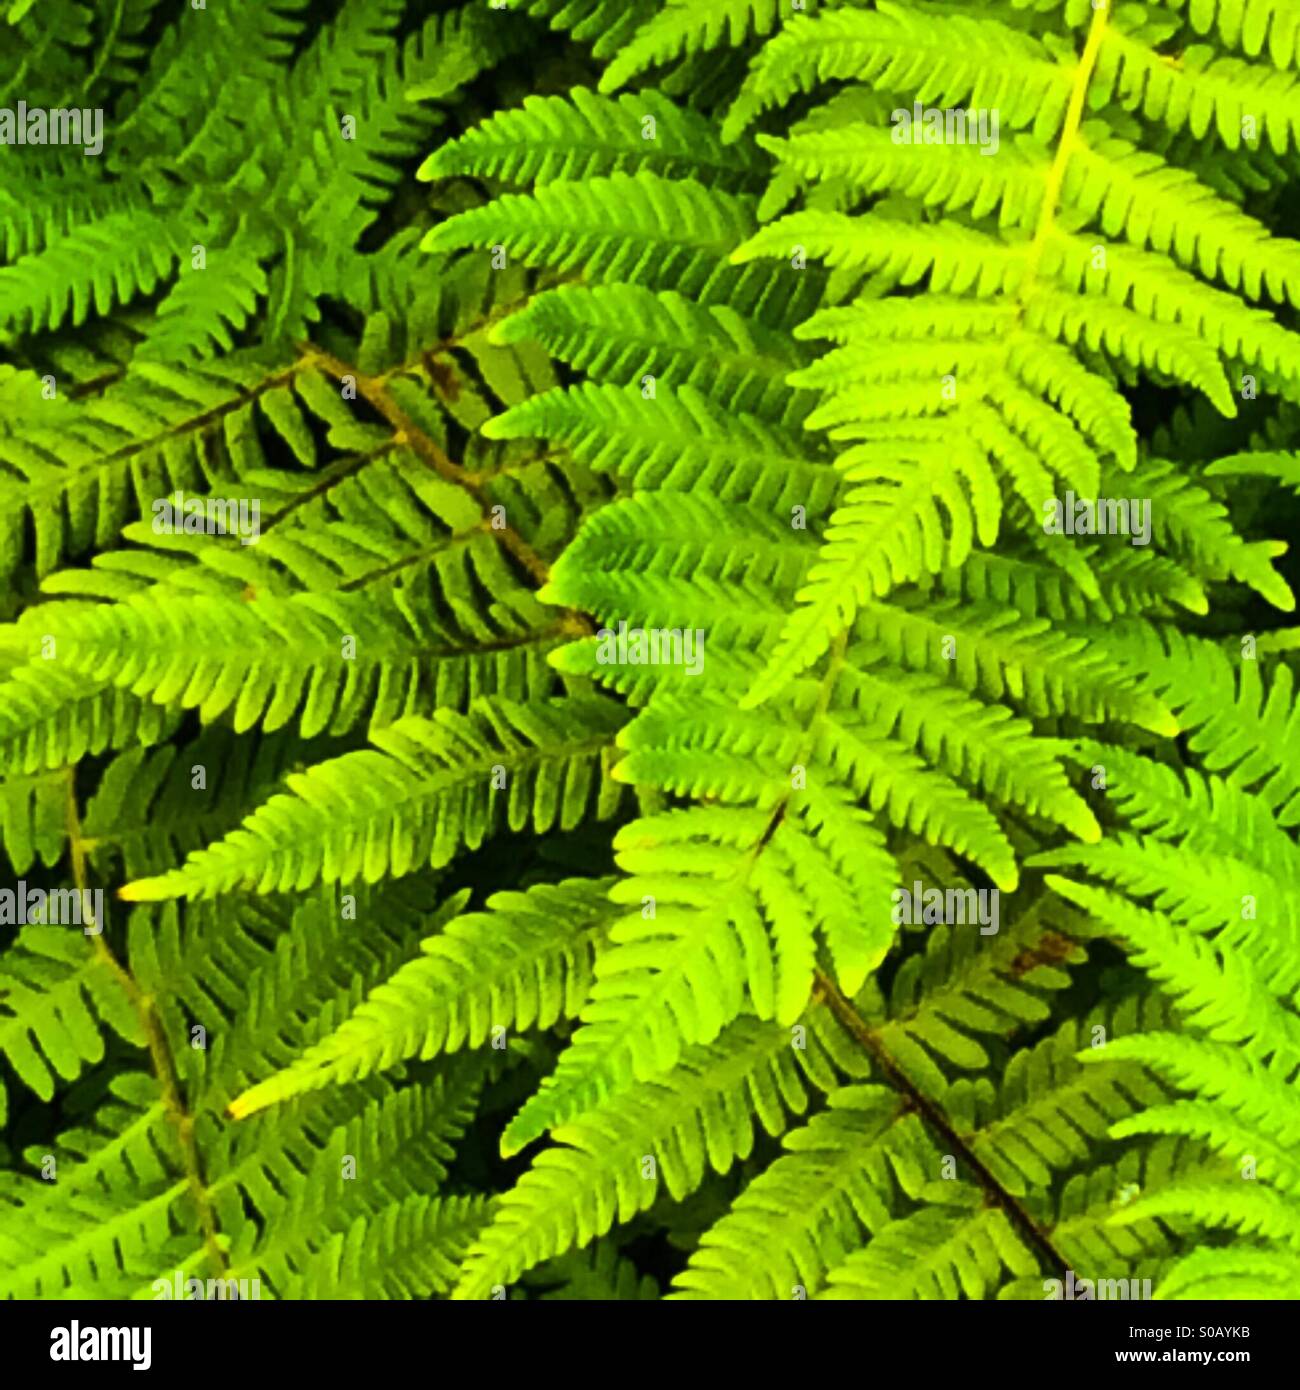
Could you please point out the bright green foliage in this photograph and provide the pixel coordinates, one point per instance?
(527, 961)
(664, 560)
(1200, 887)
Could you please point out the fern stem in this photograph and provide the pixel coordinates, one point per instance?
(858, 1028)
(374, 391)
(330, 478)
(1064, 149)
(156, 1040)
(105, 52)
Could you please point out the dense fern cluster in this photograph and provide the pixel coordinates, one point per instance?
(449, 947)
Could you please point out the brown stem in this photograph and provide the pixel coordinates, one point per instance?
(857, 1027)
(156, 1040)
(374, 390)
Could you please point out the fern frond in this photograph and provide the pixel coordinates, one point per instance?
(431, 787)
(963, 61)
(754, 1076)
(585, 136)
(681, 29)
(411, 1249)
(651, 230)
(525, 973)
(58, 996)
